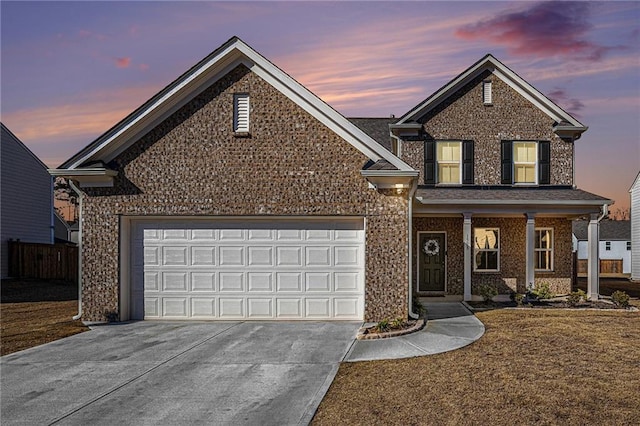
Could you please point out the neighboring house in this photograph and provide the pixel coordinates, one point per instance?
(63, 232)
(635, 229)
(236, 193)
(27, 196)
(614, 247)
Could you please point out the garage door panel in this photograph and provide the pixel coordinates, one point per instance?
(232, 307)
(203, 256)
(235, 269)
(203, 282)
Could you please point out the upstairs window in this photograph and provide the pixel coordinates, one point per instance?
(487, 96)
(449, 155)
(525, 159)
(448, 162)
(241, 113)
(526, 162)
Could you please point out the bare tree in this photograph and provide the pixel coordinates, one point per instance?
(63, 192)
(618, 213)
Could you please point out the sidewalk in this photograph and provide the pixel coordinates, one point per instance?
(449, 326)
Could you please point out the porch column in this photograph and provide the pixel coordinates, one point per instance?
(593, 261)
(530, 251)
(468, 253)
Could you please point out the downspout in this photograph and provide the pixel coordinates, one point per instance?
(77, 191)
(412, 192)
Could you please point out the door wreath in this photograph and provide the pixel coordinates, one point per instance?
(431, 248)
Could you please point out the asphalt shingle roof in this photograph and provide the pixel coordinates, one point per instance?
(610, 230)
(377, 128)
(525, 195)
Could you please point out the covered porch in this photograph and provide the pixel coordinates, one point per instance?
(513, 239)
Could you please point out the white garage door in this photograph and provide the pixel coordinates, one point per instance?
(248, 270)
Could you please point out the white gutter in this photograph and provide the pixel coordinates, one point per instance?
(414, 188)
(77, 191)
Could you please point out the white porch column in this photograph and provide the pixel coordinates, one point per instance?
(468, 254)
(530, 251)
(593, 262)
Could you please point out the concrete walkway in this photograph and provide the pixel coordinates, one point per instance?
(450, 326)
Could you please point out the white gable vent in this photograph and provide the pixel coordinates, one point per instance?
(486, 93)
(241, 113)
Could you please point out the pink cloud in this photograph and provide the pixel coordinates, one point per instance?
(143, 67)
(544, 29)
(569, 104)
(123, 62)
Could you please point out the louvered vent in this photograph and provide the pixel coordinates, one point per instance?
(241, 113)
(486, 93)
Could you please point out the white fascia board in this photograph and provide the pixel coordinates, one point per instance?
(516, 202)
(87, 178)
(505, 74)
(406, 126)
(398, 173)
(636, 182)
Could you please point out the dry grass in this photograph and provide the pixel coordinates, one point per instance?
(531, 367)
(36, 312)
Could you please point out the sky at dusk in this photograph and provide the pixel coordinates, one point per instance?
(71, 70)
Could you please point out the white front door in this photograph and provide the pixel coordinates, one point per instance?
(248, 269)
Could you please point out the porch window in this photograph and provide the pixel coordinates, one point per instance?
(544, 249)
(524, 162)
(486, 249)
(448, 157)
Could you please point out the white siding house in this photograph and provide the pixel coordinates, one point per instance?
(615, 242)
(635, 229)
(26, 199)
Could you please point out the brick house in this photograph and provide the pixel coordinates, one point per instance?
(235, 193)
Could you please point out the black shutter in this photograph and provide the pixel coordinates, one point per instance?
(467, 162)
(507, 163)
(430, 162)
(544, 162)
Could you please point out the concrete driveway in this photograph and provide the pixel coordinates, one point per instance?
(170, 373)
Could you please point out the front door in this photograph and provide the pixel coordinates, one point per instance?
(431, 262)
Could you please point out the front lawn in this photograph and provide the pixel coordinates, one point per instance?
(531, 367)
(36, 312)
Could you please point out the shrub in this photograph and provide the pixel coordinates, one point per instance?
(397, 323)
(488, 292)
(519, 299)
(418, 308)
(575, 297)
(543, 291)
(620, 299)
(382, 326)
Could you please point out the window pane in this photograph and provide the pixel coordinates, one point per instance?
(449, 173)
(448, 151)
(525, 173)
(543, 239)
(524, 152)
(492, 260)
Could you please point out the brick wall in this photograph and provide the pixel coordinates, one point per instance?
(192, 164)
(511, 117)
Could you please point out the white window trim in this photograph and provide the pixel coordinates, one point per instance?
(477, 250)
(238, 114)
(552, 250)
(535, 164)
(459, 163)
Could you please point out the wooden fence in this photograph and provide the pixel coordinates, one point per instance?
(607, 266)
(43, 261)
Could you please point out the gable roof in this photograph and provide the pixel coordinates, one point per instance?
(610, 230)
(636, 183)
(217, 64)
(489, 62)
